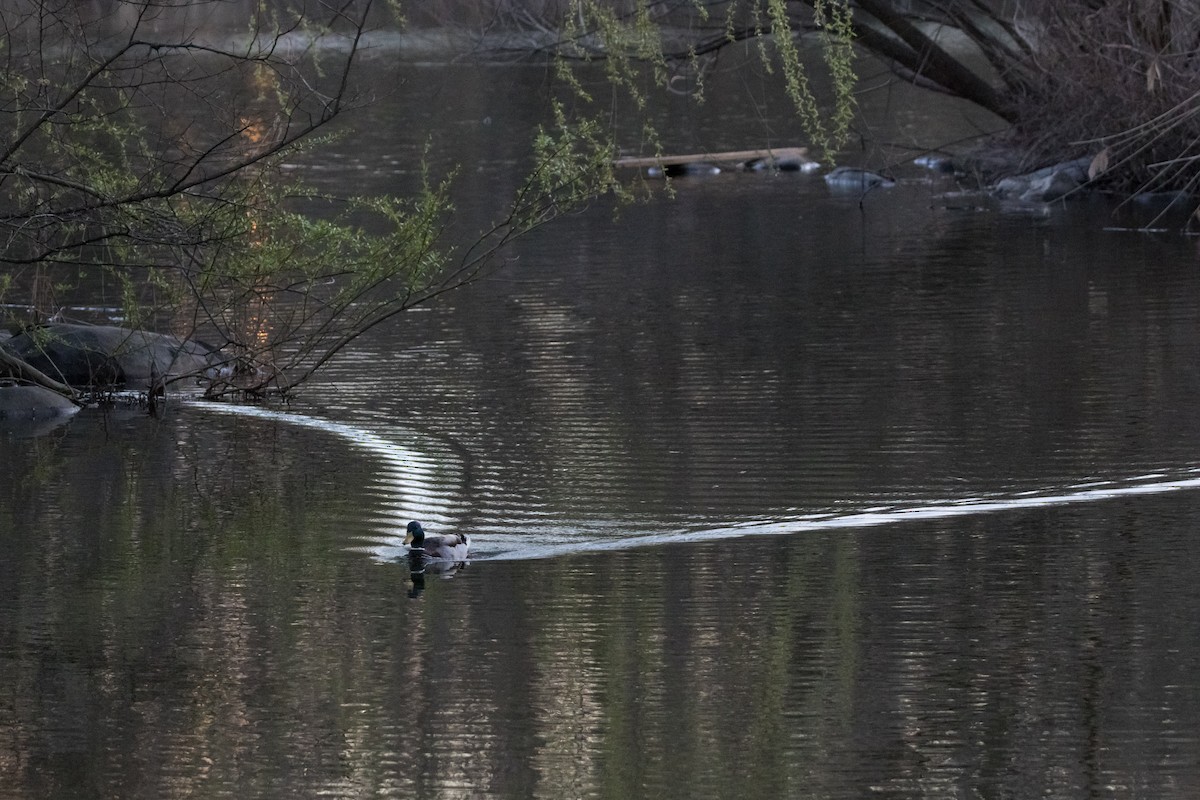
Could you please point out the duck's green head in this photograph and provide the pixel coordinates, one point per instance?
(415, 536)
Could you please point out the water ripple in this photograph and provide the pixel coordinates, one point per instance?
(411, 484)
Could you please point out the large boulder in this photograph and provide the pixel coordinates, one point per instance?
(104, 356)
(32, 410)
(20, 402)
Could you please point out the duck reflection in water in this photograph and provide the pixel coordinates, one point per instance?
(434, 555)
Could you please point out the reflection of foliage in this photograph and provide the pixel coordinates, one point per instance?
(292, 290)
(207, 612)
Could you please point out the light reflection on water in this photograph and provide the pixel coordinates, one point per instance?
(409, 487)
(411, 484)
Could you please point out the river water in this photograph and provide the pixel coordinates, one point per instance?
(775, 492)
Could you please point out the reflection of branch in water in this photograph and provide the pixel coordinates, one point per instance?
(420, 565)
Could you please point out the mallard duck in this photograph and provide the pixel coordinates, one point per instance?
(450, 547)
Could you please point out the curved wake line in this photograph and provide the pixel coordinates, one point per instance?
(935, 510)
(409, 479)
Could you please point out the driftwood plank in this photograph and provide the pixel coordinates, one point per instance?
(729, 157)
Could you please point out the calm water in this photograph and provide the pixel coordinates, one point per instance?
(776, 494)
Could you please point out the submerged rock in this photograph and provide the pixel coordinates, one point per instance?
(1047, 184)
(786, 163)
(854, 179)
(936, 163)
(103, 356)
(1181, 201)
(683, 170)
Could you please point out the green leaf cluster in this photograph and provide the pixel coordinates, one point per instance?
(632, 42)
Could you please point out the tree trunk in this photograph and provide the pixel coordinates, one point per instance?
(922, 56)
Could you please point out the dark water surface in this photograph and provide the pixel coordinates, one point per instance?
(776, 494)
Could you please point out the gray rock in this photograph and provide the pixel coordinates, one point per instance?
(33, 402)
(1052, 187)
(1011, 187)
(1047, 184)
(27, 411)
(103, 356)
(936, 163)
(692, 168)
(791, 163)
(860, 180)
